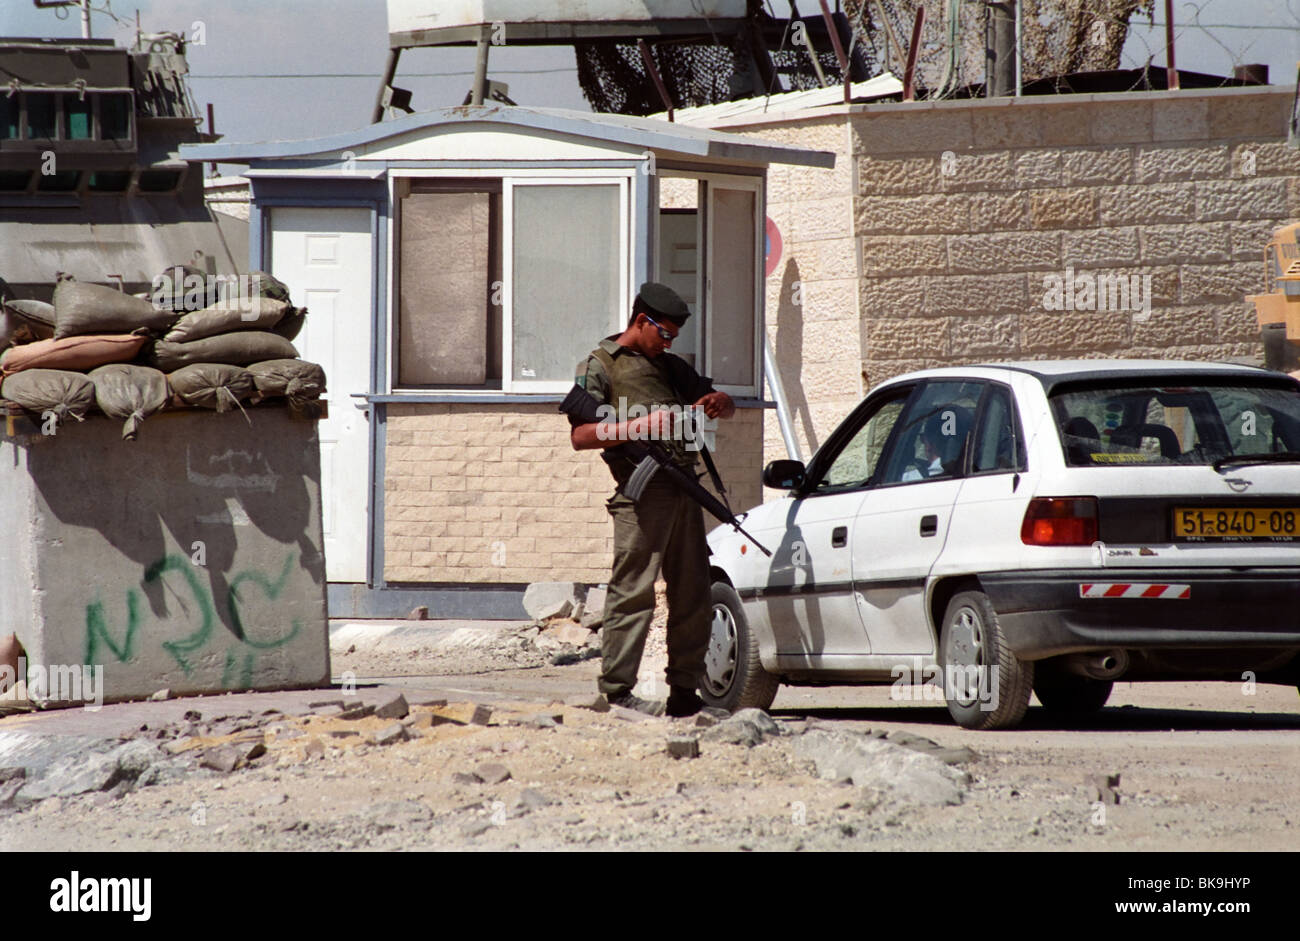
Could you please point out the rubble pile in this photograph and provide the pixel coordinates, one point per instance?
(194, 342)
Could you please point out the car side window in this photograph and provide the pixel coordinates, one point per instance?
(857, 460)
(932, 439)
(998, 445)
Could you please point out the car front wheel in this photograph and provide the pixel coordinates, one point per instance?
(733, 676)
(986, 687)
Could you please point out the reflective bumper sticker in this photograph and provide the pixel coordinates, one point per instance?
(1134, 590)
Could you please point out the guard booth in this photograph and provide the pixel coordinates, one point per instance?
(457, 264)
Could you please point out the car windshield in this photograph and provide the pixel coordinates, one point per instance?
(1198, 422)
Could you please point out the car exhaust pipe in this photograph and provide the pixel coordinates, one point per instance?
(1102, 665)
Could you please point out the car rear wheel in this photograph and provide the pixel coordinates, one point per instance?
(1066, 693)
(986, 687)
(733, 676)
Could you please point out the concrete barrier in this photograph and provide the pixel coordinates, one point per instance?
(191, 559)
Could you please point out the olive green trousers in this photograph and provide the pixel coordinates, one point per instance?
(664, 530)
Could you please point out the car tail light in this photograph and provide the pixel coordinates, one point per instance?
(1060, 521)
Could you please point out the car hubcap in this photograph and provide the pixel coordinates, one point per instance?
(720, 657)
(965, 648)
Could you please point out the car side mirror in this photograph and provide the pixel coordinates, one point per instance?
(784, 475)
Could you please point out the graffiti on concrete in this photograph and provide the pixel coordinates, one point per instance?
(240, 658)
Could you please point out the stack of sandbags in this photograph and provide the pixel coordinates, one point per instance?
(95, 329)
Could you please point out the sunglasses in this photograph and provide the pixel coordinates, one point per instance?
(663, 333)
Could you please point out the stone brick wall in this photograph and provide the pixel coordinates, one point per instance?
(494, 494)
(930, 242)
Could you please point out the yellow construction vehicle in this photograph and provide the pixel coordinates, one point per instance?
(1278, 311)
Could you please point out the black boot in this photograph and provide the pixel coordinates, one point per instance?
(682, 701)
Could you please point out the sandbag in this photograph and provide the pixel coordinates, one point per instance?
(235, 349)
(251, 313)
(79, 353)
(82, 309)
(297, 380)
(291, 323)
(268, 285)
(182, 288)
(131, 393)
(66, 394)
(212, 385)
(25, 321)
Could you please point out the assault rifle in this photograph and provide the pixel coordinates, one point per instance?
(651, 458)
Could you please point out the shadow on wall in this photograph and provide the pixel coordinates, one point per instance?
(788, 352)
(234, 489)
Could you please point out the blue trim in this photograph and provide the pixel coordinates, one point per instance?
(641, 133)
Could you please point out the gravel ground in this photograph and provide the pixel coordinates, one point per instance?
(1202, 767)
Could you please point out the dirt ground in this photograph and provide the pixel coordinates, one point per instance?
(1203, 767)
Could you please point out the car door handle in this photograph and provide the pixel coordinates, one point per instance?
(929, 525)
(839, 537)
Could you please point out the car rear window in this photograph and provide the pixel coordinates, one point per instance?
(1198, 422)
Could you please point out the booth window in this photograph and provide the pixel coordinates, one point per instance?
(505, 284)
(449, 304)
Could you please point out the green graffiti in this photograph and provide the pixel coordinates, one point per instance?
(97, 629)
(245, 675)
(272, 591)
(98, 633)
(186, 645)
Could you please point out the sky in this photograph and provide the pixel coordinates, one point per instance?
(292, 69)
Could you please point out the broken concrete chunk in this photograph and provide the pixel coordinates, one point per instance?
(683, 746)
(324, 703)
(418, 721)
(419, 613)
(593, 702)
(543, 600)
(392, 706)
(573, 634)
(222, 758)
(161, 695)
(359, 711)
(389, 734)
(492, 772)
(465, 777)
(462, 713)
(746, 727)
(531, 799)
(314, 748)
(907, 775)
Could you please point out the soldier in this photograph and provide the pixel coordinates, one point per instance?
(631, 372)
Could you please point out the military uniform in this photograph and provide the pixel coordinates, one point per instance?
(664, 529)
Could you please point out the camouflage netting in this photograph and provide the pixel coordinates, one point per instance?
(1060, 37)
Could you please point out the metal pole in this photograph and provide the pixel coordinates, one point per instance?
(650, 67)
(1019, 40)
(1171, 70)
(839, 51)
(85, 19)
(909, 74)
(480, 70)
(812, 51)
(778, 395)
(390, 69)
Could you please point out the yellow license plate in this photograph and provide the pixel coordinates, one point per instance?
(1215, 522)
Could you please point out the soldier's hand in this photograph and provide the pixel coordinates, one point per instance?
(717, 405)
(657, 426)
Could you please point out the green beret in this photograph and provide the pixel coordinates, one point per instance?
(663, 301)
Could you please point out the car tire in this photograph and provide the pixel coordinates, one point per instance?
(733, 676)
(1066, 693)
(972, 637)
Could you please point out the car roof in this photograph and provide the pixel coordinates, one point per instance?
(1055, 372)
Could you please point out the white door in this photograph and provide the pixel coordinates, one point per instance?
(324, 256)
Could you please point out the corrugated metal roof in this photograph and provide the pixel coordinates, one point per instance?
(753, 110)
(646, 133)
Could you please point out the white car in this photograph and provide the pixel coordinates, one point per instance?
(988, 531)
